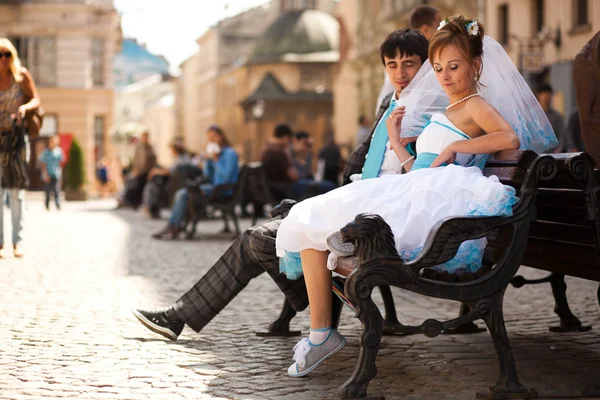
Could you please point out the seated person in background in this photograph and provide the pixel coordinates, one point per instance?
(154, 187)
(301, 155)
(330, 161)
(221, 168)
(277, 164)
(283, 178)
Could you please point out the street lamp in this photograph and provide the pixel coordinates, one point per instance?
(258, 109)
(258, 112)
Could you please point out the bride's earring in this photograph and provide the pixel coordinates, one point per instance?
(476, 78)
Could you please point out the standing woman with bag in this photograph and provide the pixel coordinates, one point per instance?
(19, 100)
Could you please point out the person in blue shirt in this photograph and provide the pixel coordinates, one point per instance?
(51, 161)
(221, 168)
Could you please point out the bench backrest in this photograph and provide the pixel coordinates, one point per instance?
(565, 236)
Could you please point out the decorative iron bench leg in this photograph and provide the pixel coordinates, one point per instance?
(359, 293)
(568, 321)
(466, 329)
(508, 385)
(281, 326)
(391, 325)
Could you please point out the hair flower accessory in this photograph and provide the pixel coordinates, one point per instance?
(472, 28)
(442, 23)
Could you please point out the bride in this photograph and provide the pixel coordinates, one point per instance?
(485, 113)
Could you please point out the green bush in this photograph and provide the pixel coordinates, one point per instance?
(74, 173)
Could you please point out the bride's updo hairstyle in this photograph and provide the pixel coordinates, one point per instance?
(466, 34)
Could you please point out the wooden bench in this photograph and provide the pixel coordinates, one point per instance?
(565, 237)
(481, 294)
(562, 212)
(224, 198)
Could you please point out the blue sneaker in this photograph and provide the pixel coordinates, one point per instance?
(308, 356)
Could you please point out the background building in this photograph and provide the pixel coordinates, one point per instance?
(274, 63)
(134, 62)
(543, 37)
(69, 47)
(146, 105)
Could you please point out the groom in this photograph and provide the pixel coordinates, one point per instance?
(253, 252)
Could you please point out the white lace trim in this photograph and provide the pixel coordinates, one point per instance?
(301, 349)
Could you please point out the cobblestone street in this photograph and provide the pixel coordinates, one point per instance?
(66, 328)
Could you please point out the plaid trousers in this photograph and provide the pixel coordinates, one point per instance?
(251, 254)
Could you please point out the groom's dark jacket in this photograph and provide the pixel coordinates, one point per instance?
(356, 159)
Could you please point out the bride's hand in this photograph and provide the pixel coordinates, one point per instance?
(393, 122)
(447, 156)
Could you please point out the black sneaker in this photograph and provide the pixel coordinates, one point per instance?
(164, 322)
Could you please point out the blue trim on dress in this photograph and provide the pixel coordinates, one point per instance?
(453, 130)
(424, 160)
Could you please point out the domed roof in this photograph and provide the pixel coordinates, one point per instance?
(305, 35)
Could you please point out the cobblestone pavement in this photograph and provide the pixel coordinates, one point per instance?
(66, 329)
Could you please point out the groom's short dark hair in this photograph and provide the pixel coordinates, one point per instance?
(405, 42)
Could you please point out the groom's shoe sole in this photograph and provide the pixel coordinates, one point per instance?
(169, 334)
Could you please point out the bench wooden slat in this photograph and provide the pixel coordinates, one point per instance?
(564, 233)
(511, 158)
(561, 198)
(579, 261)
(562, 214)
(512, 176)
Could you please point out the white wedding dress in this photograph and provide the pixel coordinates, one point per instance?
(410, 203)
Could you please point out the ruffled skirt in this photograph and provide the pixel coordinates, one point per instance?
(411, 204)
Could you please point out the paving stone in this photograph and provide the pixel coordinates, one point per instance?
(67, 331)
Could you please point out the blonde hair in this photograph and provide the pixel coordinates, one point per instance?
(15, 65)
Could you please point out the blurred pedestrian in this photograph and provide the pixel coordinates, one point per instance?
(544, 95)
(52, 159)
(102, 176)
(425, 19)
(573, 139)
(144, 159)
(363, 130)
(18, 99)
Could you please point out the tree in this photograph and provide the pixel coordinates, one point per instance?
(75, 170)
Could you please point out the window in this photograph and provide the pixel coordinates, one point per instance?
(539, 16)
(503, 23)
(50, 125)
(99, 136)
(580, 13)
(98, 73)
(38, 54)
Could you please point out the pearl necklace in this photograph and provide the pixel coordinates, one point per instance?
(461, 100)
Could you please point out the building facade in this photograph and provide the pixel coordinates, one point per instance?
(235, 63)
(543, 37)
(69, 47)
(146, 105)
